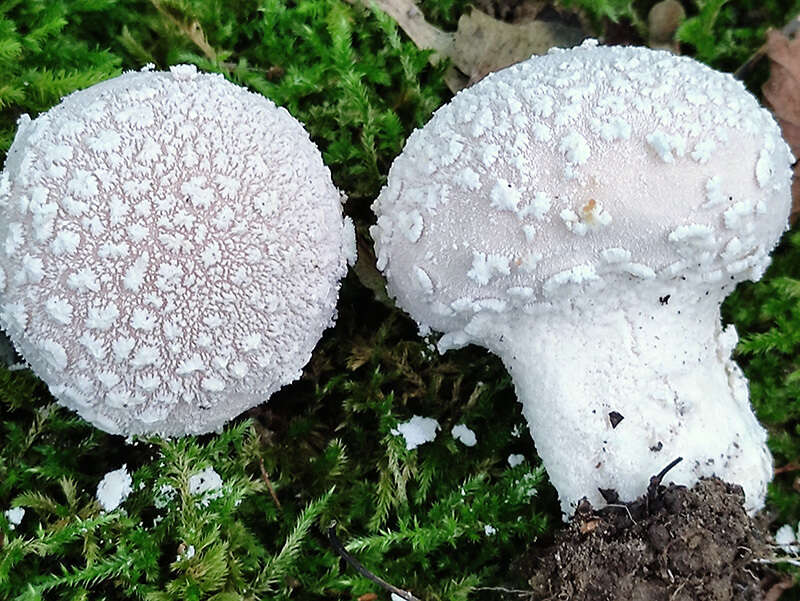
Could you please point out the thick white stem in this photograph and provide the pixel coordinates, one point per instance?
(613, 390)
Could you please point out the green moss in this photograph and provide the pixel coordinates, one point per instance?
(44, 55)
(417, 518)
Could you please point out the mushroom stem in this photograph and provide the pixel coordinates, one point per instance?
(614, 387)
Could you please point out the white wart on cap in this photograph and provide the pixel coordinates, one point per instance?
(172, 250)
(583, 214)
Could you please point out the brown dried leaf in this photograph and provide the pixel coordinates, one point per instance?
(782, 94)
(367, 272)
(481, 44)
(412, 21)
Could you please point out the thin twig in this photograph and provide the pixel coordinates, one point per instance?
(678, 590)
(656, 480)
(268, 482)
(625, 507)
(773, 560)
(502, 589)
(339, 548)
(774, 593)
(789, 467)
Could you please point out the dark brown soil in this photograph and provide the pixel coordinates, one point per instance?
(674, 544)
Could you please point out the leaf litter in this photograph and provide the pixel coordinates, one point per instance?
(782, 94)
(481, 44)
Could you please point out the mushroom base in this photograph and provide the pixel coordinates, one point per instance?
(614, 389)
(677, 545)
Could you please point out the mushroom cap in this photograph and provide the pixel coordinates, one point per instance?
(581, 170)
(172, 250)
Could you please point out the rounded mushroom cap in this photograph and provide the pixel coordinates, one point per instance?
(582, 169)
(172, 246)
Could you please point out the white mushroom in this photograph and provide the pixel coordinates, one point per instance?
(665, 185)
(172, 246)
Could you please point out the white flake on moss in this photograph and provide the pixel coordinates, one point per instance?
(14, 516)
(114, 488)
(786, 539)
(515, 459)
(206, 485)
(463, 434)
(417, 431)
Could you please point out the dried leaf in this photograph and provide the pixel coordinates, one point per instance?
(481, 44)
(782, 93)
(367, 273)
(412, 21)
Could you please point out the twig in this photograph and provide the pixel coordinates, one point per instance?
(774, 593)
(502, 589)
(266, 479)
(413, 22)
(339, 548)
(678, 590)
(773, 560)
(789, 467)
(655, 482)
(625, 507)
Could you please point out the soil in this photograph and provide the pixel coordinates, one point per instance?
(672, 544)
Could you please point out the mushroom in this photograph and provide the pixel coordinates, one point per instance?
(582, 215)
(172, 246)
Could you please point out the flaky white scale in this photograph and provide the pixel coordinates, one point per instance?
(613, 197)
(172, 246)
